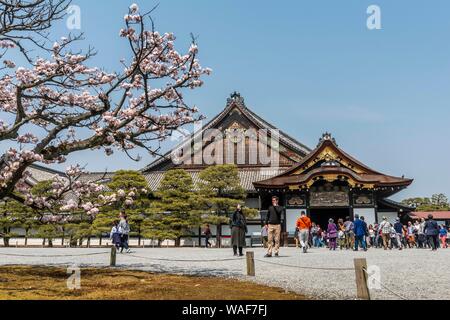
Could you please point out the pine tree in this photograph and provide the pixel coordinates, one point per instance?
(176, 211)
(14, 215)
(220, 193)
(131, 186)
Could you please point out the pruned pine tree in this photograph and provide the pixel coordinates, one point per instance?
(220, 192)
(176, 212)
(131, 189)
(14, 214)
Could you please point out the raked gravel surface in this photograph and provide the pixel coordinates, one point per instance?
(411, 273)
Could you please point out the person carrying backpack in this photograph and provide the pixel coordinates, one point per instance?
(349, 233)
(385, 228)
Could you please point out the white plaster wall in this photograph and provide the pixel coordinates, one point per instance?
(389, 215)
(291, 218)
(368, 213)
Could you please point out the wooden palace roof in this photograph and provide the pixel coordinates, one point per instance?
(237, 115)
(328, 162)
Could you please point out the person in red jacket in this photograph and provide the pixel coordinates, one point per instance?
(303, 225)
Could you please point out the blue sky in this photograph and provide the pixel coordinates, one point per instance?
(310, 67)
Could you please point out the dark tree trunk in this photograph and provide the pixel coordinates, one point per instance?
(50, 243)
(100, 240)
(5, 237)
(218, 235)
(177, 242)
(139, 236)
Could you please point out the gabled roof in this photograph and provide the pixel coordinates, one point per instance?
(328, 161)
(236, 101)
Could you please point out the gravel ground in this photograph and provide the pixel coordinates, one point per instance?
(413, 273)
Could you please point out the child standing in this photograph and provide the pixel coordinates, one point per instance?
(115, 234)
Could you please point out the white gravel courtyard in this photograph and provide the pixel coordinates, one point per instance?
(412, 273)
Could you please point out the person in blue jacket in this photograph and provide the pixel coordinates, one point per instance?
(360, 229)
(432, 231)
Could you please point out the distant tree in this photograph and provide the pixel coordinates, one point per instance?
(437, 202)
(220, 192)
(175, 212)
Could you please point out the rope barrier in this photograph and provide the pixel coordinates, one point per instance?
(303, 267)
(184, 260)
(386, 288)
(52, 256)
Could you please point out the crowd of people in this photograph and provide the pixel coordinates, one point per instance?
(349, 234)
(354, 234)
(357, 234)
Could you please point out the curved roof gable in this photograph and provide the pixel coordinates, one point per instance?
(236, 104)
(328, 161)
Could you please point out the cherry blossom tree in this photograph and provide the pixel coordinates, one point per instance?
(53, 103)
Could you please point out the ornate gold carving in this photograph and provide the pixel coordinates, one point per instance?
(295, 201)
(363, 199)
(235, 132)
(329, 154)
(329, 199)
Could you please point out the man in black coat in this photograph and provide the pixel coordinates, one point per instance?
(431, 230)
(239, 229)
(273, 223)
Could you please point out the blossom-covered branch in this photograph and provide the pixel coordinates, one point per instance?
(46, 104)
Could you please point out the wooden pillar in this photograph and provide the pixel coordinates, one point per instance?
(112, 260)
(250, 255)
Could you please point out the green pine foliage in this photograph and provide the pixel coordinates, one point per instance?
(176, 211)
(220, 192)
(15, 215)
(134, 202)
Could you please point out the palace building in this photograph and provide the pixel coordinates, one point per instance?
(329, 183)
(238, 128)
(325, 182)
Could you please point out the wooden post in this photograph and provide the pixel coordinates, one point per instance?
(251, 263)
(112, 261)
(362, 290)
